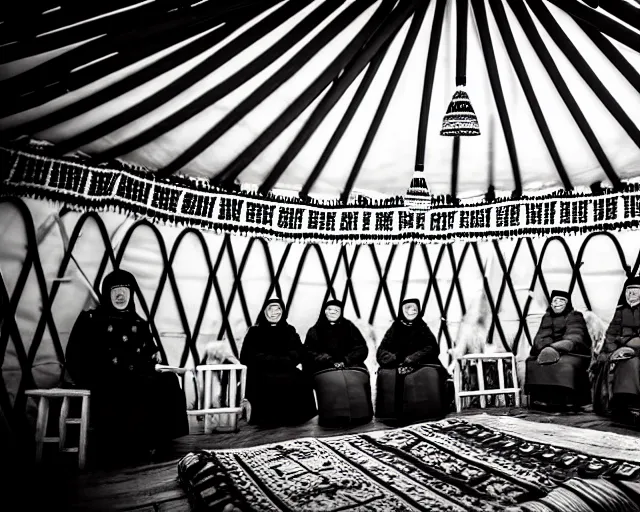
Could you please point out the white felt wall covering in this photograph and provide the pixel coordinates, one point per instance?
(601, 272)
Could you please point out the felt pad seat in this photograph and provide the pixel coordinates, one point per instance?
(344, 396)
(416, 396)
(566, 380)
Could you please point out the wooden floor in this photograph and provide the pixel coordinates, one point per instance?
(146, 487)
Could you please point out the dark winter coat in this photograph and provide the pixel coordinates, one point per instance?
(624, 326)
(409, 343)
(106, 343)
(279, 393)
(568, 325)
(111, 352)
(621, 377)
(276, 346)
(341, 342)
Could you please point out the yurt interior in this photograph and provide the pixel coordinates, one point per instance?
(320, 255)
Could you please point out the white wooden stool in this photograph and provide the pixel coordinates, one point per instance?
(43, 420)
(481, 391)
(221, 413)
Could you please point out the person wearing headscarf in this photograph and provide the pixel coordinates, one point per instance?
(336, 354)
(409, 343)
(334, 341)
(112, 353)
(408, 346)
(556, 370)
(617, 386)
(278, 391)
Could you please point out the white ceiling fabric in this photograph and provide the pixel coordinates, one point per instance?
(389, 164)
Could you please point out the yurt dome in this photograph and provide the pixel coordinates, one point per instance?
(332, 97)
(473, 154)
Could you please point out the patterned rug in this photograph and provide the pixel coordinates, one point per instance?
(451, 465)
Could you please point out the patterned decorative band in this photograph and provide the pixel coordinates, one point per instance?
(194, 202)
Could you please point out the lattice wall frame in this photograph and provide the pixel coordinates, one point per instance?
(432, 257)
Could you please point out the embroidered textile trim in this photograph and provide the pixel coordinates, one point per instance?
(195, 203)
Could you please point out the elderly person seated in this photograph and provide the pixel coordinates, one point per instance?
(336, 353)
(617, 372)
(556, 371)
(111, 352)
(279, 393)
(411, 379)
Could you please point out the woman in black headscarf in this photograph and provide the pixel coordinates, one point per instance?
(556, 370)
(336, 352)
(407, 389)
(617, 371)
(334, 342)
(409, 342)
(279, 392)
(112, 353)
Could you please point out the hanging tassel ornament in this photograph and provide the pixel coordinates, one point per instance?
(418, 196)
(460, 119)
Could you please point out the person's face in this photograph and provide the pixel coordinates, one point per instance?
(558, 304)
(273, 313)
(333, 313)
(410, 310)
(120, 297)
(632, 294)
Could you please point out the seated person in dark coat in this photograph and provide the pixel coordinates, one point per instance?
(336, 352)
(112, 353)
(334, 342)
(408, 346)
(279, 392)
(618, 362)
(409, 343)
(556, 371)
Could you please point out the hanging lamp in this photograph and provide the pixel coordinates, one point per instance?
(460, 119)
(418, 196)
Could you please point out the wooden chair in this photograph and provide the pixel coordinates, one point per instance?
(43, 420)
(222, 416)
(210, 377)
(481, 391)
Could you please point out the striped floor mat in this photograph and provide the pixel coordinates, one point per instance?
(453, 465)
